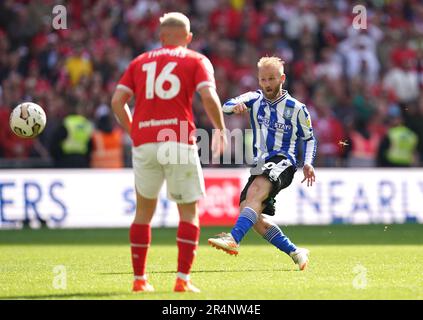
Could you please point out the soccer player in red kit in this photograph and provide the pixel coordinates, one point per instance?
(163, 82)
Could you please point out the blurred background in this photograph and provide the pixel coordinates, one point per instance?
(359, 85)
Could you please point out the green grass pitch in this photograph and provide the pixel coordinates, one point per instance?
(347, 262)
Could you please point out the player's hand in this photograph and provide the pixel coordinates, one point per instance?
(309, 175)
(219, 142)
(240, 108)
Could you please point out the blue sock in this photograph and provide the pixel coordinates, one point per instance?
(246, 220)
(276, 237)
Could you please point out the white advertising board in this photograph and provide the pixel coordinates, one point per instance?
(106, 198)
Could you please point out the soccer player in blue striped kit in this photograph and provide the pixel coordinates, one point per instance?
(278, 121)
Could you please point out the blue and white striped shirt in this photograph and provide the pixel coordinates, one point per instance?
(277, 126)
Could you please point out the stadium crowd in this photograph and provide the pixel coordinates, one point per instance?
(362, 86)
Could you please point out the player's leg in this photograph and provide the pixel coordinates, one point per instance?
(185, 185)
(148, 181)
(257, 192)
(187, 239)
(269, 230)
(274, 235)
(140, 238)
(252, 197)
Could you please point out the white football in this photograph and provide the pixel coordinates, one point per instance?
(27, 120)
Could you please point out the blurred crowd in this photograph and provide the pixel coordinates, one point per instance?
(362, 86)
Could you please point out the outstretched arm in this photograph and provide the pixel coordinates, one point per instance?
(240, 104)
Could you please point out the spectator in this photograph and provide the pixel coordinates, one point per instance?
(413, 119)
(72, 146)
(328, 130)
(78, 65)
(362, 100)
(362, 145)
(402, 78)
(107, 141)
(361, 60)
(329, 67)
(226, 19)
(399, 146)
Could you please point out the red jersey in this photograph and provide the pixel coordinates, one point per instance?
(163, 82)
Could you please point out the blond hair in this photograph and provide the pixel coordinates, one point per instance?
(175, 19)
(271, 62)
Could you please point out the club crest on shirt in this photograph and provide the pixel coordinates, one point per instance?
(288, 112)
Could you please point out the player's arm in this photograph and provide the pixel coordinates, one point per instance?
(121, 109)
(123, 93)
(212, 105)
(310, 145)
(240, 104)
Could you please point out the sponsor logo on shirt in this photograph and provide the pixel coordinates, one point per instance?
(273, 125)
(157, 123)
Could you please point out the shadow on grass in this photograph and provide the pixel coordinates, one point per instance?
(67, 295)
(201, 271)
(398, 234)
(129, 295)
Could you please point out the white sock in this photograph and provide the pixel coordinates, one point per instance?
(183, 276)
(143, 277)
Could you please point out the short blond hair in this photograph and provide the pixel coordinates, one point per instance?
(175, 19)
(271, 62)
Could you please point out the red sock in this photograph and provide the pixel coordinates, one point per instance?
(140, 238)
(187, 239)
